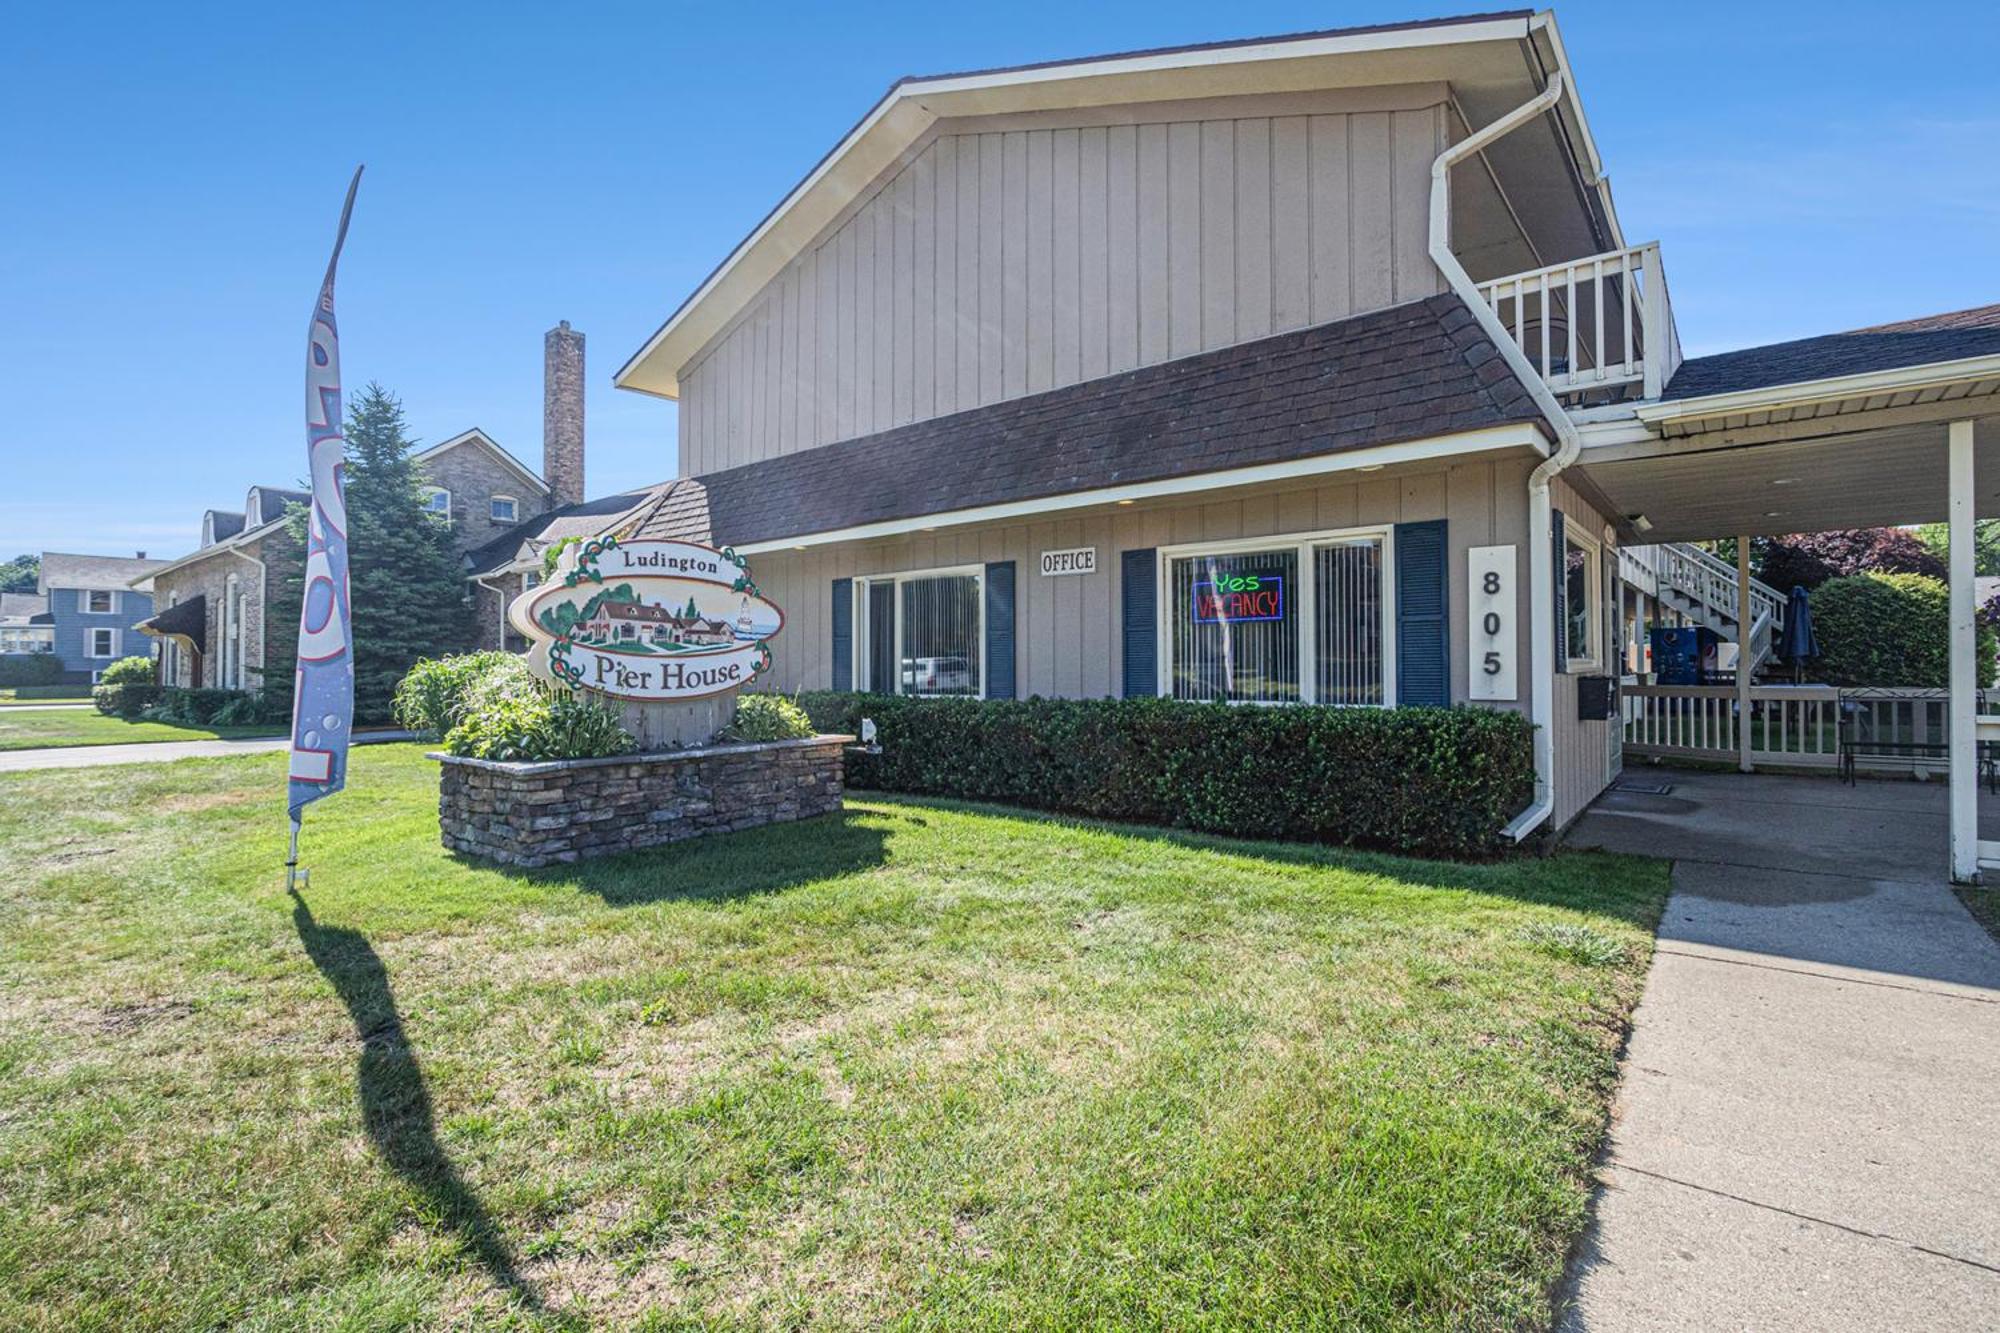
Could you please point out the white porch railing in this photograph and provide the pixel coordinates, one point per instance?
(1796, 725)
(1793, 725)
(1595, 325)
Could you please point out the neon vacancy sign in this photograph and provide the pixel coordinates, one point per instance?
(1232, 598)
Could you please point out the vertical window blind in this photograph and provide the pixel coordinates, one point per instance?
(940, 629)
(1236, 627)
(1242, 625)
(1348, 604)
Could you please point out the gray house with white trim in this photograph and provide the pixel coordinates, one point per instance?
(1041, 368)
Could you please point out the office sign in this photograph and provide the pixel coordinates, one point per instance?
(1245, 594)
(1076, 560)
(1491, 632)
(648, 620)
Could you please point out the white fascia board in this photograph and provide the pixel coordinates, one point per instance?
(1517, 436)
(1545, 24)
(477, 436)
(1808, 392)
(912, 116)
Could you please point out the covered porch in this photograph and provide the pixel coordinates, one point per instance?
(1741, 447)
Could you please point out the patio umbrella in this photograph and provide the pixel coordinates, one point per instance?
(1799, 641)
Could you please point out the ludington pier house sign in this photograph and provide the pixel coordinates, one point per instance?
(648, 620)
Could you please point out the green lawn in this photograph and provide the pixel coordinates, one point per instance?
(921, 1064)
(34, 729)
(45, 694)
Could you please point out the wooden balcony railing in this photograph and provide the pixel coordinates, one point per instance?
(1599, 329)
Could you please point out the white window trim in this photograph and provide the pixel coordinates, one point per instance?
(1307, 603)
(110, 596)
(90, 643)
(1593, 565)
(511, 501)
(431, 493)
(862, 582)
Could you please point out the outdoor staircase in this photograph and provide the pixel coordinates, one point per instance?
(1703, 588)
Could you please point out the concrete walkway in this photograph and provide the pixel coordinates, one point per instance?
(41, 708)
(160, 752)
(1807, 1134)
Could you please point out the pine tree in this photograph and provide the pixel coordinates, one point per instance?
(407, 582)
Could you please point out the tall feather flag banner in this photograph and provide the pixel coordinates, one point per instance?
(323, 690)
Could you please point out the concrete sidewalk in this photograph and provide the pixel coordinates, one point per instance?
(160, 752)
(1807, 1134)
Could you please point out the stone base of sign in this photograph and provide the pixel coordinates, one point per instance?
(572, 809)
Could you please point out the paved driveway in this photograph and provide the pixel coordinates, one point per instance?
(1807, 1134)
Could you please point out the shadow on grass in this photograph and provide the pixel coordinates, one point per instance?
(777, 857)
(395, 1104)
(721, 867)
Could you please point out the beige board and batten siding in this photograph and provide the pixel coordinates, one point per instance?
(1006, 256)
(1068, 642)
(1584, 758)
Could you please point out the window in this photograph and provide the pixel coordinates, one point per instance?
(103, 643)
(1300, 620)
(97, 601)
(503, 509)
(27, 641)
(921, 633)
(1583, 576)
(530, 580)
(437, 501)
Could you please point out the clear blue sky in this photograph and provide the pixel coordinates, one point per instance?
(169, 177)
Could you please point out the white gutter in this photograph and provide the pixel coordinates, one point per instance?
(1541, 564)
(1806, 393)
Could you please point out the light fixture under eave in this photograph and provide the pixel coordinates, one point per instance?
(1370, 467)
(1783, 481)
(1772, 513)
(1639, 522)
(1127, 502)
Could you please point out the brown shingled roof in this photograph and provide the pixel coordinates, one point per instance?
(1410, 372)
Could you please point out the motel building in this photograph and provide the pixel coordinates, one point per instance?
(1313, 369)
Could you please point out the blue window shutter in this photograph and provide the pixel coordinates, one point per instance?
(1423, 615)
(843, 634)
(1561, 658)
(1000, 630)
(1138, 576)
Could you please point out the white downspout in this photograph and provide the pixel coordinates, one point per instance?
(1541, 566)
(262, 629)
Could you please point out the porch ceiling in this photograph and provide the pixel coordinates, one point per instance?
(1702, 487)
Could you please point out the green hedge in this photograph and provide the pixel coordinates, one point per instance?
(1889, 629)
(1439, 781)
(169, 703)
(52, 692)
(30, 669)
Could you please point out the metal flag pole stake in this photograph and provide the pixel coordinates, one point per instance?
(295, 878)
(323, 683)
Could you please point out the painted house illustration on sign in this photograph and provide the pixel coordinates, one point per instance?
(620, 622)
(1353, 311)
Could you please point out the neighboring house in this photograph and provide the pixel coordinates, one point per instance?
(93, 612)
(1036, 359)
(214, 603)
(25, 624)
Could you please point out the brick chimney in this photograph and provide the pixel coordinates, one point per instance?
(562, 414)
